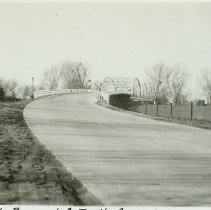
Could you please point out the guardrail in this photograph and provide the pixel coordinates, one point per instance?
(42, 93)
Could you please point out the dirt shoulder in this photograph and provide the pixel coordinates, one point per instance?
(29, 173)
(178, 120)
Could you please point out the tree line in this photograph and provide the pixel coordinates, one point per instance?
(163, 83)
(68, 75)
(10, 90)
(167, 84)
(7, 87)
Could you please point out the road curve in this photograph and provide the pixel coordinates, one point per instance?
(125, 159)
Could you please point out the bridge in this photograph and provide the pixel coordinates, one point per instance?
(119, 90)
(110, 85)
(114, 90)
(122, 85)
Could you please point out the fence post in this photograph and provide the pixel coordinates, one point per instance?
(156, 109)
(146, 107)
(171, 110)
(191, 110)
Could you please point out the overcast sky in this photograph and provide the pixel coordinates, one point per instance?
(116, 39)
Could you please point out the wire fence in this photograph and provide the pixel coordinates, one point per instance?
(188, 111)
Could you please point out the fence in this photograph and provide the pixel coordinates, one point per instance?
(188, 111)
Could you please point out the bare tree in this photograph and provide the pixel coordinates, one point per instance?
(75, 75)
(10, 87)
(166, 83)
(179, 78)
(157, 78)
(205, 83)
(26, 91)
(1, 82)
(96, 85)
(51, 77)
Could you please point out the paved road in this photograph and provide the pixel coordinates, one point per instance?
(125, 159)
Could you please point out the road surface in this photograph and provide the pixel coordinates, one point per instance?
(125, 159)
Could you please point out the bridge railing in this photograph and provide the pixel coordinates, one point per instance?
(42, 93)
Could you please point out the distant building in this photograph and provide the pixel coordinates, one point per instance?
(200, 102)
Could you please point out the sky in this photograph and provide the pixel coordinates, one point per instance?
(115, 39)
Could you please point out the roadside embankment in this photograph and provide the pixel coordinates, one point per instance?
(29, 173)
(199, 123)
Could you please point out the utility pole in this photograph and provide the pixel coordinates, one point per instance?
(146, 94)
(32, 85)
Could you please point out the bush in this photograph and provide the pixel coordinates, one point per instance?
(32, 96)
(10, 99)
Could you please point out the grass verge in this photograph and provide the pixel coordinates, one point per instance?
(29, 173)
(199, 123)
